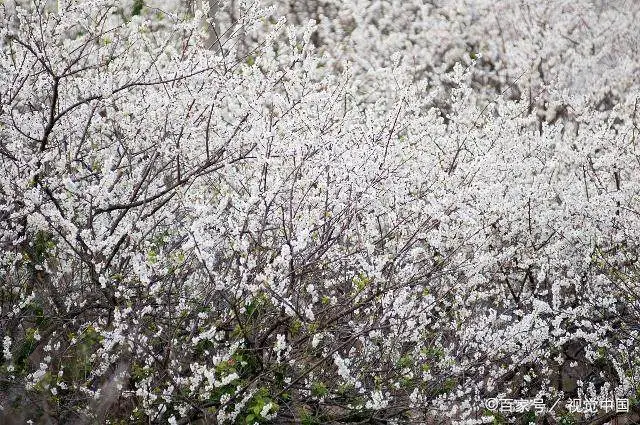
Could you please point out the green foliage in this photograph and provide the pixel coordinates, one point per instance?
(295, 327)
(567, 419)
(42, 247)
(498, 418)
(259, 401)
(260, 301)
(447, 386)
(78, 366)
(137, 7)
(319, 389)
(37, 312)
(433, 352)
(529, 417)
(203, 346)
(405, 361)
(152, 257)
(361, 281)
(25, 350)
(139, 372)
(48, 380)
(308, 418)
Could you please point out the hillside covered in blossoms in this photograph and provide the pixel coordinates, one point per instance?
(320, 212)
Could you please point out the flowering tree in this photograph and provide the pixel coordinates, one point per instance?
(209, 214)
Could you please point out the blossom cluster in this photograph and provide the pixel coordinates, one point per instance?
(318, 211)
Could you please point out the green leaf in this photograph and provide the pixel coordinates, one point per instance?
(319, 389)
(137, 7)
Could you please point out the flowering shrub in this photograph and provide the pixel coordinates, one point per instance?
(214, 213)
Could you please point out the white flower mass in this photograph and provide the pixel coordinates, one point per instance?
(319, 211)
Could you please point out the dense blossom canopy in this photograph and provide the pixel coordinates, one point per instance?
(317, 212)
